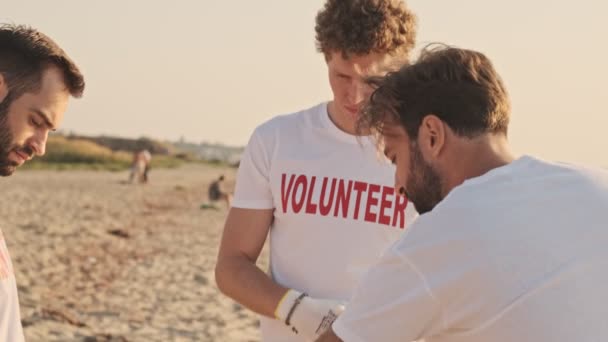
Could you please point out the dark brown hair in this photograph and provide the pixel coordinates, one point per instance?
(360, 27)
(26, 53)
(459, 86)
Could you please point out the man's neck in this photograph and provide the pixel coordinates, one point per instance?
(476, 157)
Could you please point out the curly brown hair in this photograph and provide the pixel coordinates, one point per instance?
(360, 27)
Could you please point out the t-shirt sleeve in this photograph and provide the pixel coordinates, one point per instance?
(252, 189)
(391, 303)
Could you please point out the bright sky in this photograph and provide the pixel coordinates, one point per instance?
(211, 70)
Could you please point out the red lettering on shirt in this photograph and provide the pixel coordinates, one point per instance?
(301, 182)
(359, 188)
(311, 208)
(385, 204)
(325, 207)
(399, 213)
(343, 198)
(371, 202)
(285, 194)
(380, 204)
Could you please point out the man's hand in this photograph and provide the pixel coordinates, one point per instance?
(306, 316)
(329, 336)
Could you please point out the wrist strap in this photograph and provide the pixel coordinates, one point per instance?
(293, 307)
(278, 308)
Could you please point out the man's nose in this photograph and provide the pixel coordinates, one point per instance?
(358, 93)
(38, 143)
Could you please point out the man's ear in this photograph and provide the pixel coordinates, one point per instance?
(3, 88)
(432, 135)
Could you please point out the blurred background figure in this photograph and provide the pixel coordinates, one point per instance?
(147, 158)
(217, 192)
(140, 166)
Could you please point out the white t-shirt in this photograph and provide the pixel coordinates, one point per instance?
(10, 318)
(335, 207)
(518, 254)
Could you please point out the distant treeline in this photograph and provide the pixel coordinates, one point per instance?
(129, 145)
(115, 154)
(103, 153)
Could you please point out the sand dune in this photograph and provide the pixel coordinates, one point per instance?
(100, 260)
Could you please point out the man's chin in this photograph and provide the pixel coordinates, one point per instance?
(7, 170)
(353, 116)
(421, 207)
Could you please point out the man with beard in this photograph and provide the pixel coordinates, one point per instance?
(36, 80)
(506, 248)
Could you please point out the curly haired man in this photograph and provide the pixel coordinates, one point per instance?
(314, 184)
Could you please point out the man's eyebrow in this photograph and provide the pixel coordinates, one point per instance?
(45, 117)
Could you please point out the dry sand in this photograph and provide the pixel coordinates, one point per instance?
(100, 260)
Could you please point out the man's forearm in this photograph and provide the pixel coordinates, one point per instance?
(244, 282)
(247, 284)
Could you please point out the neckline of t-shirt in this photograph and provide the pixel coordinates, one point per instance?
(337, 132)
(522, 160)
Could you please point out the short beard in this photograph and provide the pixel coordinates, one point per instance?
(424, 184)
(7, 167)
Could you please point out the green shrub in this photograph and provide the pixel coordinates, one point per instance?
(67, 154)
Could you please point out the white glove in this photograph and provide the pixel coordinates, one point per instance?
(306, 316)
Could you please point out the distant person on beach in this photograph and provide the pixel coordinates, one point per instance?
(217, 192)
(316, 187)
(147, 157)
(36, 80)
(506, 249)
(140, 166)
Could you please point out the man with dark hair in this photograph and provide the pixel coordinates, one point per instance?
(328, 209)
(36, 80)
(507, 248)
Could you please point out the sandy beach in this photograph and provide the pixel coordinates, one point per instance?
(100, 260)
